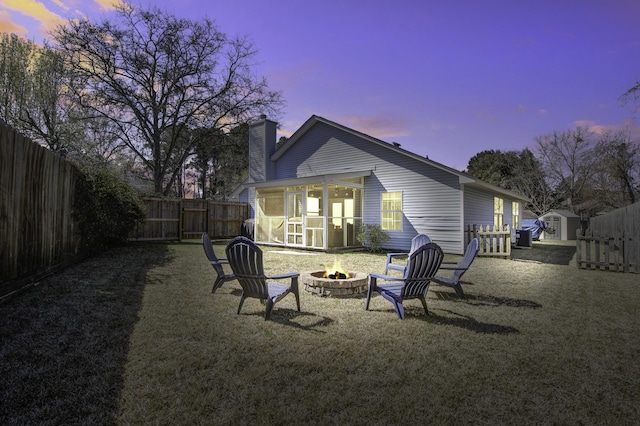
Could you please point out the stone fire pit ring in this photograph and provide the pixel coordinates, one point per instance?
(314, 282)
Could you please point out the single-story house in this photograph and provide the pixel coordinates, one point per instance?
(561, 225)
(327, 180)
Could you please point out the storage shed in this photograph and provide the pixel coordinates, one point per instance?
(562, 225)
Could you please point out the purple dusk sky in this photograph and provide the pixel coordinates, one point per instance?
(444, 79)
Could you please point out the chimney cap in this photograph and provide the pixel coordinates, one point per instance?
(263, 116)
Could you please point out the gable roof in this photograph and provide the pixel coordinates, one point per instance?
(560, 212)
(464, 177)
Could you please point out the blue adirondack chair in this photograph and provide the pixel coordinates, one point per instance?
(416, 242)
(246, 261)
(422, 265)
(217, 263)
(459, 270)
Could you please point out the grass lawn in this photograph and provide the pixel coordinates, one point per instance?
(136, 337)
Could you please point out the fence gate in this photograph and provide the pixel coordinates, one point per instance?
(188, 218)
(494, 241)
(194, 218)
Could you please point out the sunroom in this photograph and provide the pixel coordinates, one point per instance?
(321, 212)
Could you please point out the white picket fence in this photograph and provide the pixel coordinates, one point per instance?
(494, 241)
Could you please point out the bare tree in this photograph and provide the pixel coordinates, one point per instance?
(205, 144)
(157, 76)
(15, 57)
(33, 87)
(100, 143)
(519, 171)
(617, 171)
(48, 116)
(230, 163)
(567, 160)
(632, 95)
(220, 161)
(530, 180)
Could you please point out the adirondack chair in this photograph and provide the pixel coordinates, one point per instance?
(422, 266)
(416, 242)
(460, 268)
(217, 263)
(245, 258)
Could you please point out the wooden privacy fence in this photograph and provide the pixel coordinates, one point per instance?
(494, 241)
(625, 220)
(187, 218)
(38, 233)
(612, 242)
(619, 254)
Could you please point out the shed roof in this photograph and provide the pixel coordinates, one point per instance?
(560, 212)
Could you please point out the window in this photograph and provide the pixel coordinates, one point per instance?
(498, 212)
(515, 211)
(391, 211)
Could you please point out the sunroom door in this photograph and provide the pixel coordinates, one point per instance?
(295, 212)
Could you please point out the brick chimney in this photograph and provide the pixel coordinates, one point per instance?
(262, 143)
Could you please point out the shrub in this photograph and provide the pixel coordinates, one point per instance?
(372, 237)
(106, 207)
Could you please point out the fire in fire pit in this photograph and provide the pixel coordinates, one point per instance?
(338, 276)
(335, 281)
(335, 272)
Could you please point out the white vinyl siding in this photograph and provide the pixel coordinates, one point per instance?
(478, 207)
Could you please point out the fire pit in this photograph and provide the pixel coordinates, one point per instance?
(315, 282)
(335, 281)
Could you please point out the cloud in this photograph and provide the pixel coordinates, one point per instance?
(598, 129)
(542, 111)
(383, 125)
(284, 133)
(8, 26)
(18, 16)
(291, 76)
(588, 124)
(61, 5)
(34, 9)
(628, 125)
(521, 109)
(108, 4)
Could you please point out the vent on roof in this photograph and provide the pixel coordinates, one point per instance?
(396, 144)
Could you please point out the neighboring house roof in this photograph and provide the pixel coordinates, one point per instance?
(465, 178)
(565, 213)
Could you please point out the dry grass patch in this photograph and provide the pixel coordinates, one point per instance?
(533, 343)
(64, 342)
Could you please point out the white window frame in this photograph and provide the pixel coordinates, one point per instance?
(498, 212)
(396, 221)
(515, 215)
